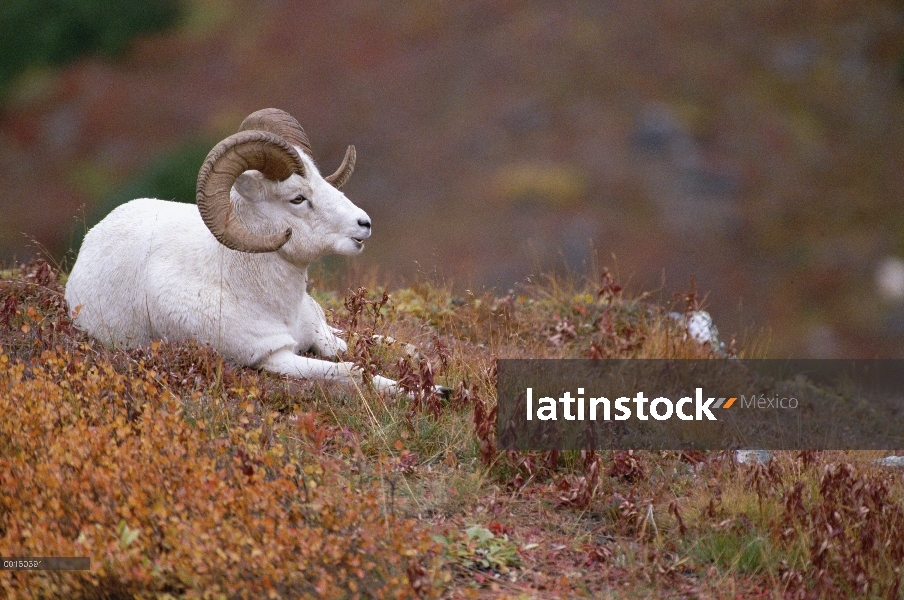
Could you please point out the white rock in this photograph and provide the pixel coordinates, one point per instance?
(750, 457)
(701, 328)
(890, 278)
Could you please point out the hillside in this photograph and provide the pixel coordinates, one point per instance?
(181, 475)
(757, 146)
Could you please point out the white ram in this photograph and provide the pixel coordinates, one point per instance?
(231, 271)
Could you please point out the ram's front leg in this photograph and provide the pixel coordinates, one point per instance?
(384, 340)
(286, 362)
(328, 344)
(410, 350)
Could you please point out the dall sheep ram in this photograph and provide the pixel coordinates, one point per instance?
(232, 271)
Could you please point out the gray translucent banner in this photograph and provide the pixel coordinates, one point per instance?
(701, 404)
(46, 563)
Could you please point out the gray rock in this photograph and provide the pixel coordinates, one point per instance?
(891, 461)
(751, 457)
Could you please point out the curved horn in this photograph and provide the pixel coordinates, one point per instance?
(344, 172)
(281, 123)
(264, 151)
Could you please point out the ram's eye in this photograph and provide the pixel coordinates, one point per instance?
(298, 199)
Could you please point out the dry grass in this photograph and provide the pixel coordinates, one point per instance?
(181, 475)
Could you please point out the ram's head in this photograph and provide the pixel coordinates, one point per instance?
(259, 191)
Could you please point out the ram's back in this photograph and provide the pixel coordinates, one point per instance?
(141, 253)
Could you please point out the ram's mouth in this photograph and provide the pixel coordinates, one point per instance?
(358, 241)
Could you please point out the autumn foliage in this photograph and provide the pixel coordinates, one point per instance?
(99, 458)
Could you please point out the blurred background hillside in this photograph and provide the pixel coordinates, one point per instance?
(756, 145)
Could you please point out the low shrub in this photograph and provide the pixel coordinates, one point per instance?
(99, 457)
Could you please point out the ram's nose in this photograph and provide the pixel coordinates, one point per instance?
(364, 224)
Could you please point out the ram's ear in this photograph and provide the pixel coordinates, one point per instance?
(250, 185)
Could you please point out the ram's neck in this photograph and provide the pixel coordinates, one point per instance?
(271, 281)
